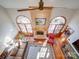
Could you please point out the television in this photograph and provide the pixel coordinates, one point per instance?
(76, 45)
(40, 33)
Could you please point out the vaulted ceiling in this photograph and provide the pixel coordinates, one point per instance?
(72, 4)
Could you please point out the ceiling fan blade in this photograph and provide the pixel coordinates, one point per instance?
(27, 9)
(36, 7)
(48, 7)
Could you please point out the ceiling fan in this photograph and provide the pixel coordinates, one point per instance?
(40, 7)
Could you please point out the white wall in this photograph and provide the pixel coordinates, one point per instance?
(7, 28)
(14, 13)
(74, 24)
(68, 13)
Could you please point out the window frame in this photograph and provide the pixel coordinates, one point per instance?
(57, 24)
(24, 24)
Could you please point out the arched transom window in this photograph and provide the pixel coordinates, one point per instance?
(56, 25)
(24, 24)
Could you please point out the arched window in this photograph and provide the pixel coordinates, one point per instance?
(24, 24)
(56, 25)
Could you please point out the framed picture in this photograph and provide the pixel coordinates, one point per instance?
(69, 31)
(40, 21)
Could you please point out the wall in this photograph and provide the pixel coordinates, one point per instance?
(74, 24)
(45, 13)
(7, 27)
(14, 13)
(68, 13)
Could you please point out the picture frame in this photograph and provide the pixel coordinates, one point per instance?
(69, 31)
(40, 21)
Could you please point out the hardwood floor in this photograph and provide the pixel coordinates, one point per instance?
(57, 51)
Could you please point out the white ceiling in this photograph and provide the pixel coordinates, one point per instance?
(72, 4)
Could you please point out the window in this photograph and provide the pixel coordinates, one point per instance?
(24, 24)
(56, 25)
